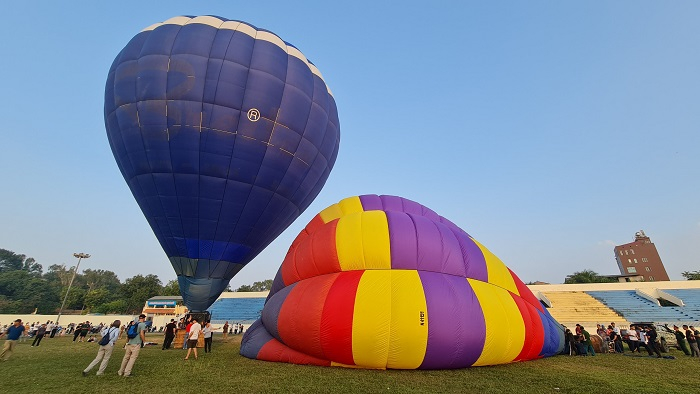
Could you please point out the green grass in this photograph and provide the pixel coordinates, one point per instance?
(55, 367)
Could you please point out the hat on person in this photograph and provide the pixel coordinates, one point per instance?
(18, 321)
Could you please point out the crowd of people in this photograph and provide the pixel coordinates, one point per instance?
(578, 342)
(108, 335)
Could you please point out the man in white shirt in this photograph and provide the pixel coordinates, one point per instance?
(195, 332)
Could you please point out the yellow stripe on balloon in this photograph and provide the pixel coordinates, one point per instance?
(362, 241)
(505, 329)
(498, 273)
(408, 337)
(371, 322)
(344, 207)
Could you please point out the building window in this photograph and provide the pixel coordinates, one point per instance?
(648, 269)
(620, 252)
(645, 260)
(651, 278)
(631, 270)
(632, 250)
(629, 261)
(635, 261)
(625, 252)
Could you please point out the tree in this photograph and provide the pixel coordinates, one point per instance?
(587, 276)
(10, 261)
(171, 288)
(691, 275)
(265, 285)
(135, 291)
(244, 288)
(117, 306)
(96, 279)
(21, 292)
(96, 297)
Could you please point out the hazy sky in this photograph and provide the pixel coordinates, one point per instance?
(548, 130)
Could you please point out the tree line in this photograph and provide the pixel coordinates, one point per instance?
(26, 288)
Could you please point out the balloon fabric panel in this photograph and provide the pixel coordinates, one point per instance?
(299, 323)
(505, 331)
(371, 322)
(338, 316)
(457, 329)
(362, 241)
(224, 134)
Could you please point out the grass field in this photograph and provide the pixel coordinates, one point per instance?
(55, 367)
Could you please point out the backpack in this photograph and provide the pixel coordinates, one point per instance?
(133, 330)
(105, 339)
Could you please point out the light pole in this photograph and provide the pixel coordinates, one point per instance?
(79, 256)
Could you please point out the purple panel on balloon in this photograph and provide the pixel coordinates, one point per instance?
(402, 241)
(473, 258)
(456, 326)
(371, 202)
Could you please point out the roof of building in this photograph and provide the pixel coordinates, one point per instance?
(174, 298)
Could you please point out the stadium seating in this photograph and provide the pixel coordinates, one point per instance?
(236, 310)
(573, 307)
(638, 309)
(691, 298)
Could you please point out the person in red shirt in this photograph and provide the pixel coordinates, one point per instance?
(187, 333)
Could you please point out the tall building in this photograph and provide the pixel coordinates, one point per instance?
(640, 258)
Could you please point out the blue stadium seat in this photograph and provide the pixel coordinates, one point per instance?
(638, 309)
(236, 310)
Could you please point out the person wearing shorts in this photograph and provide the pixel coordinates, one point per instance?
(195, 332)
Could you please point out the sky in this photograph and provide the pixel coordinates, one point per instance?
(549, 131)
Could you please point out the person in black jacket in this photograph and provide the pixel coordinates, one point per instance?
(170, 329)
(652, 335)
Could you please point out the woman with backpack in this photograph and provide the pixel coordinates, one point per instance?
(109, 336)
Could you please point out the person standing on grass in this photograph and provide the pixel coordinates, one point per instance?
(651, 336)
(40, 332)
(692, 341)
(105, 351)
(12, 334)
(680, 339)
(226, 330)
(187, 332)
(587, 344)
(195, 331)
(208, 330)
(170, 329)
(133, 347)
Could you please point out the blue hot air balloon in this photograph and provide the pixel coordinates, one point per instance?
(225, 134)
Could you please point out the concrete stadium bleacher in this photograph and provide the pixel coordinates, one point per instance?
(691, 299)
(572, 307)
(639, 309)
(236, 310)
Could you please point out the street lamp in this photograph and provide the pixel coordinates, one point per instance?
(79, 256)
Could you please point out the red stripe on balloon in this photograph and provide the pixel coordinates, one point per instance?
(273, 350)
(313, 256)
(336, 323)
(314, 224)
(299, 322)
(534, 332)
(525, 292)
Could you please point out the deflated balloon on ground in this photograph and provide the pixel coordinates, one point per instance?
(384, 282)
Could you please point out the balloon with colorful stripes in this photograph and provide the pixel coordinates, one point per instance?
(384, 282)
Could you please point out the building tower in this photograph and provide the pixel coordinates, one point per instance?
(641, 258)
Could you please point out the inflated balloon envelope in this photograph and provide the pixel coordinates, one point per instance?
(225, 134)
(384, 282)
